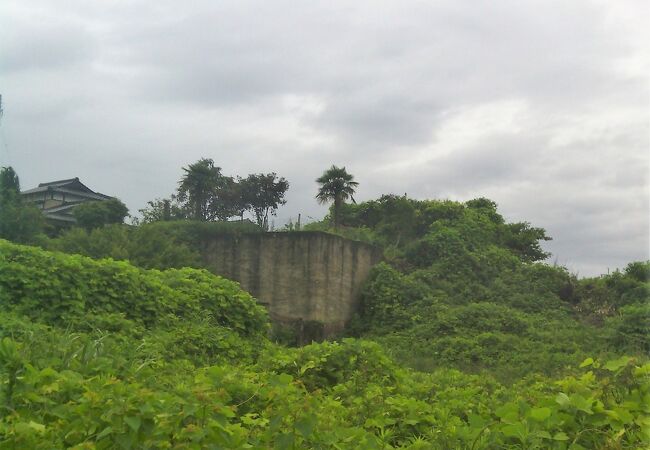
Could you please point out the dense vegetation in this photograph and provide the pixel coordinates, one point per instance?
(462, 288)
(100, 354)
(465, 340)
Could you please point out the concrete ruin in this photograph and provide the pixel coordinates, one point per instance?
(305, 279)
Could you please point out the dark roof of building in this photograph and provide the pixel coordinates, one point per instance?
(60, 182)
(71, 185)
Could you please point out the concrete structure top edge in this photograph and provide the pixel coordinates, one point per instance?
(293, 234)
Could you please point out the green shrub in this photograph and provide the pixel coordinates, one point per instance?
(387, 299)
(147, 246)
(326, 364)
(96, 214)
(57, 288)
(631, 328)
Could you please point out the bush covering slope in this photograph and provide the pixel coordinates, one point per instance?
(57, 288)
(463, 288)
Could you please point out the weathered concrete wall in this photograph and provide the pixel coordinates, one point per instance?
(303, 276)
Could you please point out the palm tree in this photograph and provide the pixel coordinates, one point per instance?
(336, 185)
(198, 186)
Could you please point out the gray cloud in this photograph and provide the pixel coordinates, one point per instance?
(45, 46)
(542, 106)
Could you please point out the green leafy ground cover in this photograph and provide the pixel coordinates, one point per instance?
(465, 341)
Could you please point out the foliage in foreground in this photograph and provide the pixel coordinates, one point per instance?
(100, 354)
(63, 389)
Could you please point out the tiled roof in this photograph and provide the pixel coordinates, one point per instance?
(59, 182)
(69, 186)
(95, 195)
(34, 190)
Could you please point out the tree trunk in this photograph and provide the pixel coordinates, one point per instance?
(337, 210)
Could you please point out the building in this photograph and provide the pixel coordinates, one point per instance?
(57, 199)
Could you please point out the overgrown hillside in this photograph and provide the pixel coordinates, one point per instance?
(463, 288)
(101, 354)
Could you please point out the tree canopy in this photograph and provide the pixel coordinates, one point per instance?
(263, 194)
(96, 214)
(19, 222)
(206, 194)
(199, 188)
(9, 182)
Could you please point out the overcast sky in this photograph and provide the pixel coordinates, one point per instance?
(542, 106)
